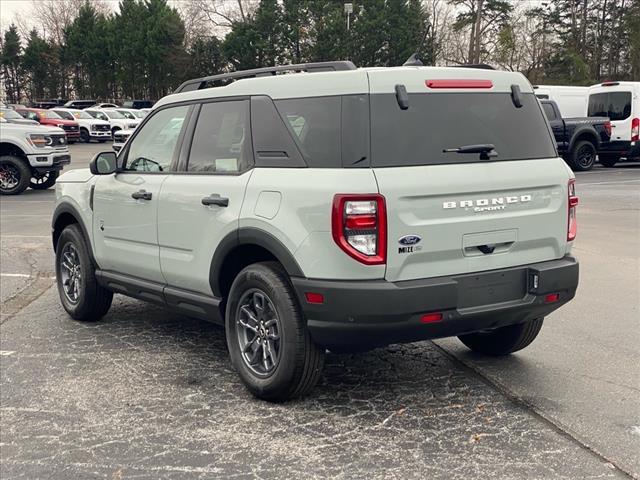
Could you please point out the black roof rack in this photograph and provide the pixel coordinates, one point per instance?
(481, 66)
(199, 83)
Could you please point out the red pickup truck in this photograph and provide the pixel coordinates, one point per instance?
(52, 119)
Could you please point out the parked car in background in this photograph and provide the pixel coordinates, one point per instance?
(578, 139)
(45, 104)
(80, 104)
(90, 128)
(620, 101)
(30, 156)
(51, 118)
(132, 113)
(104, 105)
(12, 116)
(115, 118)
(120, 138)
(146, 111)
(571, 101)
(137, 104)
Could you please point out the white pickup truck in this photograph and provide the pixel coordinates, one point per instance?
(30, 156)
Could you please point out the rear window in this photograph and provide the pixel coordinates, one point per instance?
(435, 121)
(615, 105)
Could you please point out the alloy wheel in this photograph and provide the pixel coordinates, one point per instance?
(258, 331)
(9, 177)
(586, 156)
(70, 272)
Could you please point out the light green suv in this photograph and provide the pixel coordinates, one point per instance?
(319, 206)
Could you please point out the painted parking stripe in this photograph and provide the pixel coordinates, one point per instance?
(23, 275)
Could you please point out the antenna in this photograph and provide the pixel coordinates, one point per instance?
(414, 60)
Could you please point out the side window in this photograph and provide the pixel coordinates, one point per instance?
(154, 146)
(549, 112)
(222, 138)
(316, 123)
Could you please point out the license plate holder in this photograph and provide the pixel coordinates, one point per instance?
(491, 288)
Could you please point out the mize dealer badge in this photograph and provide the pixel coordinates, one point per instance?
(410, 244)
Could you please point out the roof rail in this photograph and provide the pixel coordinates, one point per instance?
(481, 66)
(199, 83)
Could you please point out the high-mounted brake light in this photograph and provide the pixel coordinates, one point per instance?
(359, 227)
(609, 84)
(635, 129)
(459, 83)
(572, 225)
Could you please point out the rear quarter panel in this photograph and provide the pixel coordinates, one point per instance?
(294, 205)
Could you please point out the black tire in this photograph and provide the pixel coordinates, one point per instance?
(299, 361)
(85, 136)
(42, 181)
(608, 160)
(92, 301)
(101, 141)
(583, 156)
(505, 340)
(15, 175)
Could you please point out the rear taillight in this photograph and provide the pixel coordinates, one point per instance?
(635, 129)
(607, 128)
(572, 227)
(359, 227)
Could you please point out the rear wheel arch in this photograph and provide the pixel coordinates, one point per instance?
(587, 135)
(244, 247)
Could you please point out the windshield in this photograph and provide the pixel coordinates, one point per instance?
(615, 105)
(65, 115)
(81, 114)
(434, 122)
(10, 114)
(49, 114)
(113, 114)
(128, 115)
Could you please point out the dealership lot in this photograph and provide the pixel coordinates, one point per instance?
(150, 394)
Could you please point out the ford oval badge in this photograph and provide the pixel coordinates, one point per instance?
(409, 240)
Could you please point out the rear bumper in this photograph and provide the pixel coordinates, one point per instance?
(624, 148)
(359, 315)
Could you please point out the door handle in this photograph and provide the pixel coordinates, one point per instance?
(215, 199)
(141, 195)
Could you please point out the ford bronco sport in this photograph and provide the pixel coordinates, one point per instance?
(319, 206)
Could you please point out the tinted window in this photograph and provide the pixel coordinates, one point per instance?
(615, 105)
(330, 131)
(437, 121)
(315, 122)
(222, 139)
(549, 111)
(153, 147)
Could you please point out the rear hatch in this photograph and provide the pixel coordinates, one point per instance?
(615, 100)
(452, 213)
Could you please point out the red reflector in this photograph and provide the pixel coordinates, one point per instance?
(360, 222)
(552, 297)
(573, 201)
(314, 297)
(431, 317)
(459, 83)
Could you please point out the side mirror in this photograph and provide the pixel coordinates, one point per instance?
(104, 163)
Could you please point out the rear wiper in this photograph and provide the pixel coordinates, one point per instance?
(486, 150)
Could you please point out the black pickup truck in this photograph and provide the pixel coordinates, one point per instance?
(578, 139)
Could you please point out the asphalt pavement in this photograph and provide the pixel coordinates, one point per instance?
(150, 394)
